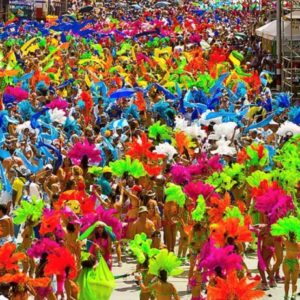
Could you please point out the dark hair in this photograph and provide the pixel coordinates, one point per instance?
(69, 185)
(70, 227)
(3, 208)
(113, 197)
(163, 275)
(84, 162)
(230, 240)
(103, 236)
(97, 129)
(90, 262)
(197, 227)
(4, 288)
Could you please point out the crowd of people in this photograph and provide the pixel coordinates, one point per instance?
(149, 127)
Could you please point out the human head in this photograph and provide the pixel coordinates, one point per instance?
(143, 212)
(3, 210)
(4, 288)
(163, 275)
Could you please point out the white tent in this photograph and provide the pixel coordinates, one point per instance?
(269, 31)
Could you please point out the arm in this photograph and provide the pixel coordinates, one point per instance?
(14, 198)
(45, 186)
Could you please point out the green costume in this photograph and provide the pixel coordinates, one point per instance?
(96, 284)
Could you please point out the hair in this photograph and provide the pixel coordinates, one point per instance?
(77, 170)
(67, 158)
(292, 236)
(113, 197)
(70, 227)
(104, 235)
(69, 185)
(197, 227)
(163, 275)
(84, 162)
(90, 262)
(155, 233)
(4, 288)
(3, 208)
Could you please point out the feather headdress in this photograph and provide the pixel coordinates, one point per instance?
(221, 231)
(182, 142)
(199, 211)
(42, 246)
(105, 216)
(162, 131)
(275, 204)
(253, 155)
(167, 261)
(23, 279)
(57, 115)
(233, 288)
(165, 149)
(285, 226)
(79, 150)
(59, 262)
(51, 223)
(141, 247)
(223, 258)
(218, 208)
(9, 258)
(195, 189)
(27, 210)
(174, 193)
(126, 166)
(180, 174)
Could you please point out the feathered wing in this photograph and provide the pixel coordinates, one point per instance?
(81, 149)
(286, 225)
(134, 168)
(165, 149)
(9, 258)
(199, 211)
(233, 288)
(174, 193)
(165, 261)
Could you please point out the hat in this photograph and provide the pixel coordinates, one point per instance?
(107, 170)
(48, 167)
(142, 209)
(23, 171)
(136, 188)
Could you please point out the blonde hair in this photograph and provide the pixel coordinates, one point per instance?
(77, 171)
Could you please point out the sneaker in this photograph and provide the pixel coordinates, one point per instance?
(273, 283)
(294, 297)
(265, 286)
(120, 264)
(188, 289)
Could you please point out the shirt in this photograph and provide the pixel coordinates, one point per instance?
(106, 188)
(18, 187)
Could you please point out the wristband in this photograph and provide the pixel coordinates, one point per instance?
(140, 281)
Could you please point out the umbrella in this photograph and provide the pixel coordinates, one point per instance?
(135, 6)
(162, 4)
(86, 9)
(121, 4)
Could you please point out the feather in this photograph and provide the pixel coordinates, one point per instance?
(162, 131)
(165, 149)
(195, 132)
(180, 174)
(288, 127)
(134, 168)
(285, 226)
(174, 193)
(9, 258)
(199, 211)
(195, 189)
(57, 115)
(42, 246)
(79, 150)
(165, 261)
(233, 288)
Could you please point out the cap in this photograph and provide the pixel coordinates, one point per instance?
(48, 167)
(24, 171)
(142, 209)
(107, 170)
(136, 188)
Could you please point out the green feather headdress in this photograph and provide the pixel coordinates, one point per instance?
(234, 213)
(285, 226)
(174, 193)
(163, 131)
(167, 261)
(257, 177)
(199, 211)
(96, 171)
(26, 211)
(141, 247)
(134, 168)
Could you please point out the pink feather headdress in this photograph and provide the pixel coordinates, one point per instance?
(180, 174)
(275, 204)
(80, 149)
(17, 93)
(223, 258)
(194, 189)
(42, 246)
(104, 216)
(59, 104)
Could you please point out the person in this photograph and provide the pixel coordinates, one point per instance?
(4, 291)
(290, 265)
(95, 281)
(142, 224)
(17, 186)
(104, 181)
(7, 228)
(160, 289)
(156, 241)
(103, 240)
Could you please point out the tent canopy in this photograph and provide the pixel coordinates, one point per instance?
(269, 31)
